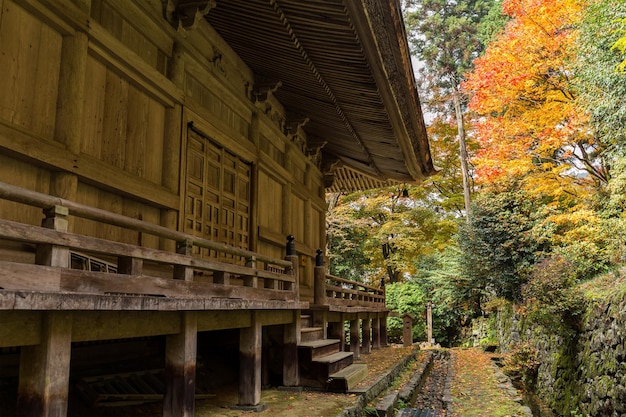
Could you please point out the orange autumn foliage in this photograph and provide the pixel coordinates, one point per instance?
(522, 101)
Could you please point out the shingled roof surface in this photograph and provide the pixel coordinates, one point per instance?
(345, 65)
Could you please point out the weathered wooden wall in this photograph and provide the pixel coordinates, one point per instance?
(103, 102)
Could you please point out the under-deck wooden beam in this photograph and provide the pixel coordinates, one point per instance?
(355, 338)
(291, 340)
(366, 347)
(180, 368)
(44, 373)
(250, 339)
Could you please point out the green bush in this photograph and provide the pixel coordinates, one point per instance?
(522, 364)
(551, 295)
(406, 298)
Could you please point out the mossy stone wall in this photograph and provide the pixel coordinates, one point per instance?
(582, 372)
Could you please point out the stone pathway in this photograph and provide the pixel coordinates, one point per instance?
(479, 389)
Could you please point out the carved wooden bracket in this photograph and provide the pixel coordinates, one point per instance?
(265, 88)
(186, 14)
(292, 132)
(294, 125)
(315, 153)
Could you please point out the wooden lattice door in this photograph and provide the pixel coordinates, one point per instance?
(217, 203)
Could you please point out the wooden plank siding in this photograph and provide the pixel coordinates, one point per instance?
(126, 97)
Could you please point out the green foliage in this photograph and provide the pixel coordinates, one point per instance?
(493, 23)
(620, 45)
(345, 235)
(522, 364)
(551, 295)
(498, 246)
(444, 35)
(370, 411)
(437, 275)
(406, 298)
(381, 232)
(601, 90)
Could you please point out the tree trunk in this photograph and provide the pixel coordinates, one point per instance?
(462, 151)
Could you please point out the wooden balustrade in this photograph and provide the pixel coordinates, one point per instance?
(261, 278)
(341, 291)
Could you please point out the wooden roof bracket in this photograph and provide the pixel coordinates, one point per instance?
(185, 15)
(292, 131)
(265, 88)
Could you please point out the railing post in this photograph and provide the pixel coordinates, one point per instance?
(295, 264)
(53, 255)
(319, 277)
(180, 271)
(252, 280)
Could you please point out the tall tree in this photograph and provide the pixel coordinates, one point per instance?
(524, 101)
(386, 230)
(444, 36)
(601, 89)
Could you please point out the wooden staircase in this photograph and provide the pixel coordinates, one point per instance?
(323, 364)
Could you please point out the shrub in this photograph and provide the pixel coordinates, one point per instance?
(521, 364)
(551, 296)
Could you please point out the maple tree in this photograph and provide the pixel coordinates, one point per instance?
(444, 36)
(524, 104)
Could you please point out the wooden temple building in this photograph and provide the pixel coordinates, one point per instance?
(163, 170)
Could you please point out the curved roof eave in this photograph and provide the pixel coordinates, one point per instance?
(344, 64)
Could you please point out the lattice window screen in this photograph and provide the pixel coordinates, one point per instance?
(217, 204)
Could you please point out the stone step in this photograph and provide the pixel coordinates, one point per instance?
(310, 350)
(309, 334)
(347, 378)
(416, 412)
(306, 320)
(325, 366)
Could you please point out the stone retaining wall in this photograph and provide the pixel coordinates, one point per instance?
(581, 373)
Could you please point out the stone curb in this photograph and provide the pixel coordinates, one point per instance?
(385, 407)
(381, 384)
(447, 388)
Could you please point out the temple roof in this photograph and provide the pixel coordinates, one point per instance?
(346, 66)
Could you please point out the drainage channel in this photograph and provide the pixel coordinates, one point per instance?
(422, 395)
(427, 399)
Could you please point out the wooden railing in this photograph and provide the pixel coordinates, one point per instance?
(261, 278)
(341, 291)
(334, 291)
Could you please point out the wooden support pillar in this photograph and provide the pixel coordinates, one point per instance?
(291, 340)
(429, 323)
(336, 330)
(355, 338)
(383, 331)
(44, 373)
(129, 265)
(250, 365)
(376, 332)
(367, 336)
(70, 105)
(180, 368)
(172, 138)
